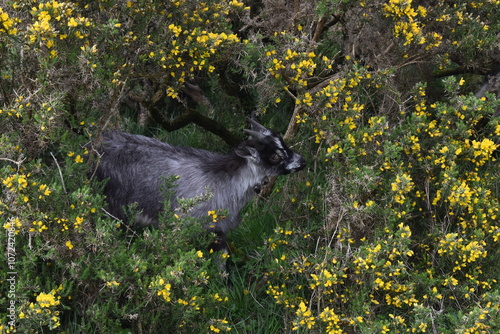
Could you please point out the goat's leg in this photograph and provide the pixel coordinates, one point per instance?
(221, 247)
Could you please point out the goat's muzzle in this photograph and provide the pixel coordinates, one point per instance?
(296, 163)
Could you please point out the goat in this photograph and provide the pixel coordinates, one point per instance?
(136, 166)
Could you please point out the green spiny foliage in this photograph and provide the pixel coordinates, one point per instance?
(392, 228)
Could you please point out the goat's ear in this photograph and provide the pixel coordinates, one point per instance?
(247, 152)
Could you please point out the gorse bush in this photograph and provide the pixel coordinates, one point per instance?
(67, 262)
(392, 228)
(412, 225)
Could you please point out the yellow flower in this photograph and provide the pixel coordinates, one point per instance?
(22, 182)
(78, 222)
(47, 299)
(44, 190)
(69, 244)
(72, 22)
(305, 316)
(112, 283)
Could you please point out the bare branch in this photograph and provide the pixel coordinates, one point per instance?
(17, 163)
(60, 173)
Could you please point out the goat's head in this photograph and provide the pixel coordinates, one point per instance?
(267, 150)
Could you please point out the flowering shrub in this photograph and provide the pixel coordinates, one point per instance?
(393, 227)
(43, 311)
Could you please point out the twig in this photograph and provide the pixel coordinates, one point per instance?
(119, 221)
(60, 173)
(17, 163)
(13, 161)
(111, 216)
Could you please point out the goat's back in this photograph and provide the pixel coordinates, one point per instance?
(137, 165)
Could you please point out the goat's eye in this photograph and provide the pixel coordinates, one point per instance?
(275, 158)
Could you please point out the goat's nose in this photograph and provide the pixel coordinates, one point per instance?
(302, 163)
(297, 163)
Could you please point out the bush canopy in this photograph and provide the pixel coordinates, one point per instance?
(393, 227)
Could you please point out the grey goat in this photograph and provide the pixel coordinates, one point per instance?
(136, 166)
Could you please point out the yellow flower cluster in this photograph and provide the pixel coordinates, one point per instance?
(218, 298)
(461, 195)
(7, 24)
(165, 290)
(192, 303)
(213, 215)
(325, 279)
(467, 251)
(296, 68)
(277, 242)
(54, 21)
(482, 150)
(112, 283)
(47, 299)
(401, 186)
(36, 198)
(16, 182)
(385, 263)
(304, 317)
(78, 158)
(303, 68)
(332, 321)
(187, 46)
(278, 293)
(198, 46)
(408, 24)
(44, 310)
(38, 226)
(46, 118)
(219, 325)
(448, 169)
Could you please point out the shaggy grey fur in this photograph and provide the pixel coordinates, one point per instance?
(491, 85)
(136, 166)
